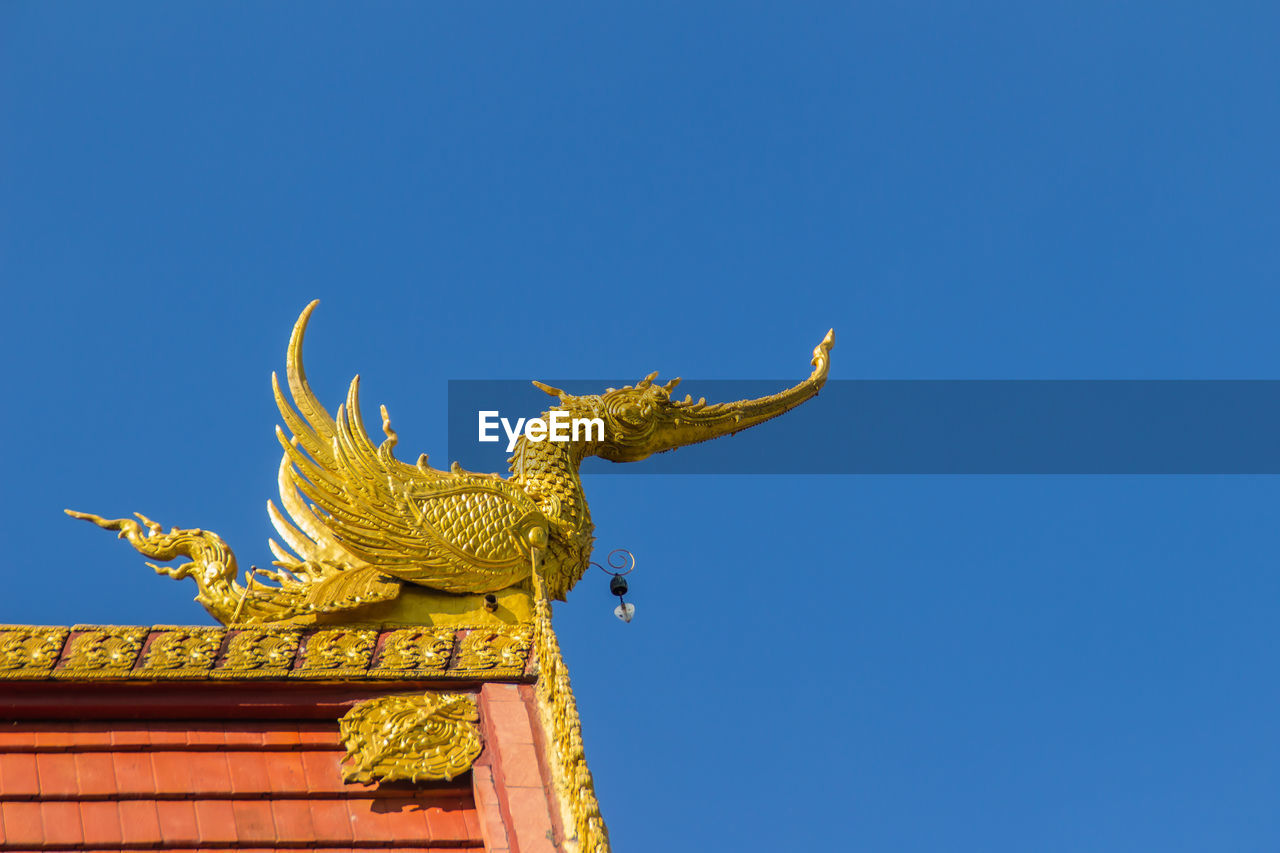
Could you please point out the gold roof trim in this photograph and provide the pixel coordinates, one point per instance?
(98, 652)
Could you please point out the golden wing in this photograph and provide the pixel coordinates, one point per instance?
(371, 514)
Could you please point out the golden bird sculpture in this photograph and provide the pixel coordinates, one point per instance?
(367, 538)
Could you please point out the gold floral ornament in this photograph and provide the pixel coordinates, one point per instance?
(427, 650)
(261, 652)
(338, 651)
(28, 651)
(358, 527)
(102, 652)
(183, 650)
(505, 650)
(411, 738)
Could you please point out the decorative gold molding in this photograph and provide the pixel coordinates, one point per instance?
(337, 651)
(411, 738)
(414, 651)
(574, 788)
(495, 651)
(181, 652)
(259, 653)
(32, 652)
(101, 652)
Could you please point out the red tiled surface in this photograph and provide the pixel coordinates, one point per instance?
(209, 785)
(489, 810)
(510, 788)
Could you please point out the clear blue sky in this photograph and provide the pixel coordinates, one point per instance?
(1044, 190)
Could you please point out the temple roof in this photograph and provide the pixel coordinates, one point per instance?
(210, 784)
(277, 738)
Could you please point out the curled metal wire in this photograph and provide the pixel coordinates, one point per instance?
(617, 559)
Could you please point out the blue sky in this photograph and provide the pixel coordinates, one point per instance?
(1000, 191)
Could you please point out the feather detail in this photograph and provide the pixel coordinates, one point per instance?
(353, 505)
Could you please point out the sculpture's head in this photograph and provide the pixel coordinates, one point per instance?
(641, 420)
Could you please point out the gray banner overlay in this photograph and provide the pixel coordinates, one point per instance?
(938, 427)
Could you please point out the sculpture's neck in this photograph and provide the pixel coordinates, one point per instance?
(548, 470)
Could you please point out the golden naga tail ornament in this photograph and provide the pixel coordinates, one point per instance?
(374, 539)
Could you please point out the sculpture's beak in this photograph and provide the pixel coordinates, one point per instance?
(687, 422)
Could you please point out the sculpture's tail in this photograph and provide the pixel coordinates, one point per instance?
(211, 563)
(268, 595)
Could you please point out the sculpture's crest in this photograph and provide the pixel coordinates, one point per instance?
(368, 538)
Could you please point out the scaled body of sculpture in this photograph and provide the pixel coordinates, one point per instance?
(379, 540)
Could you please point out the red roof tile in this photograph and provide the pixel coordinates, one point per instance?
(57, 774)
(177, 819)
(100, 821)
(138, 822)
(250, 767)
(331, 824)
(18, 774)
(292, 819)
(22, 824)
(216, 820)
(71, 785)
(253, 821)
(95, 773)
(447, 848)
(134, 773)
(249, 772)
(61, 823)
